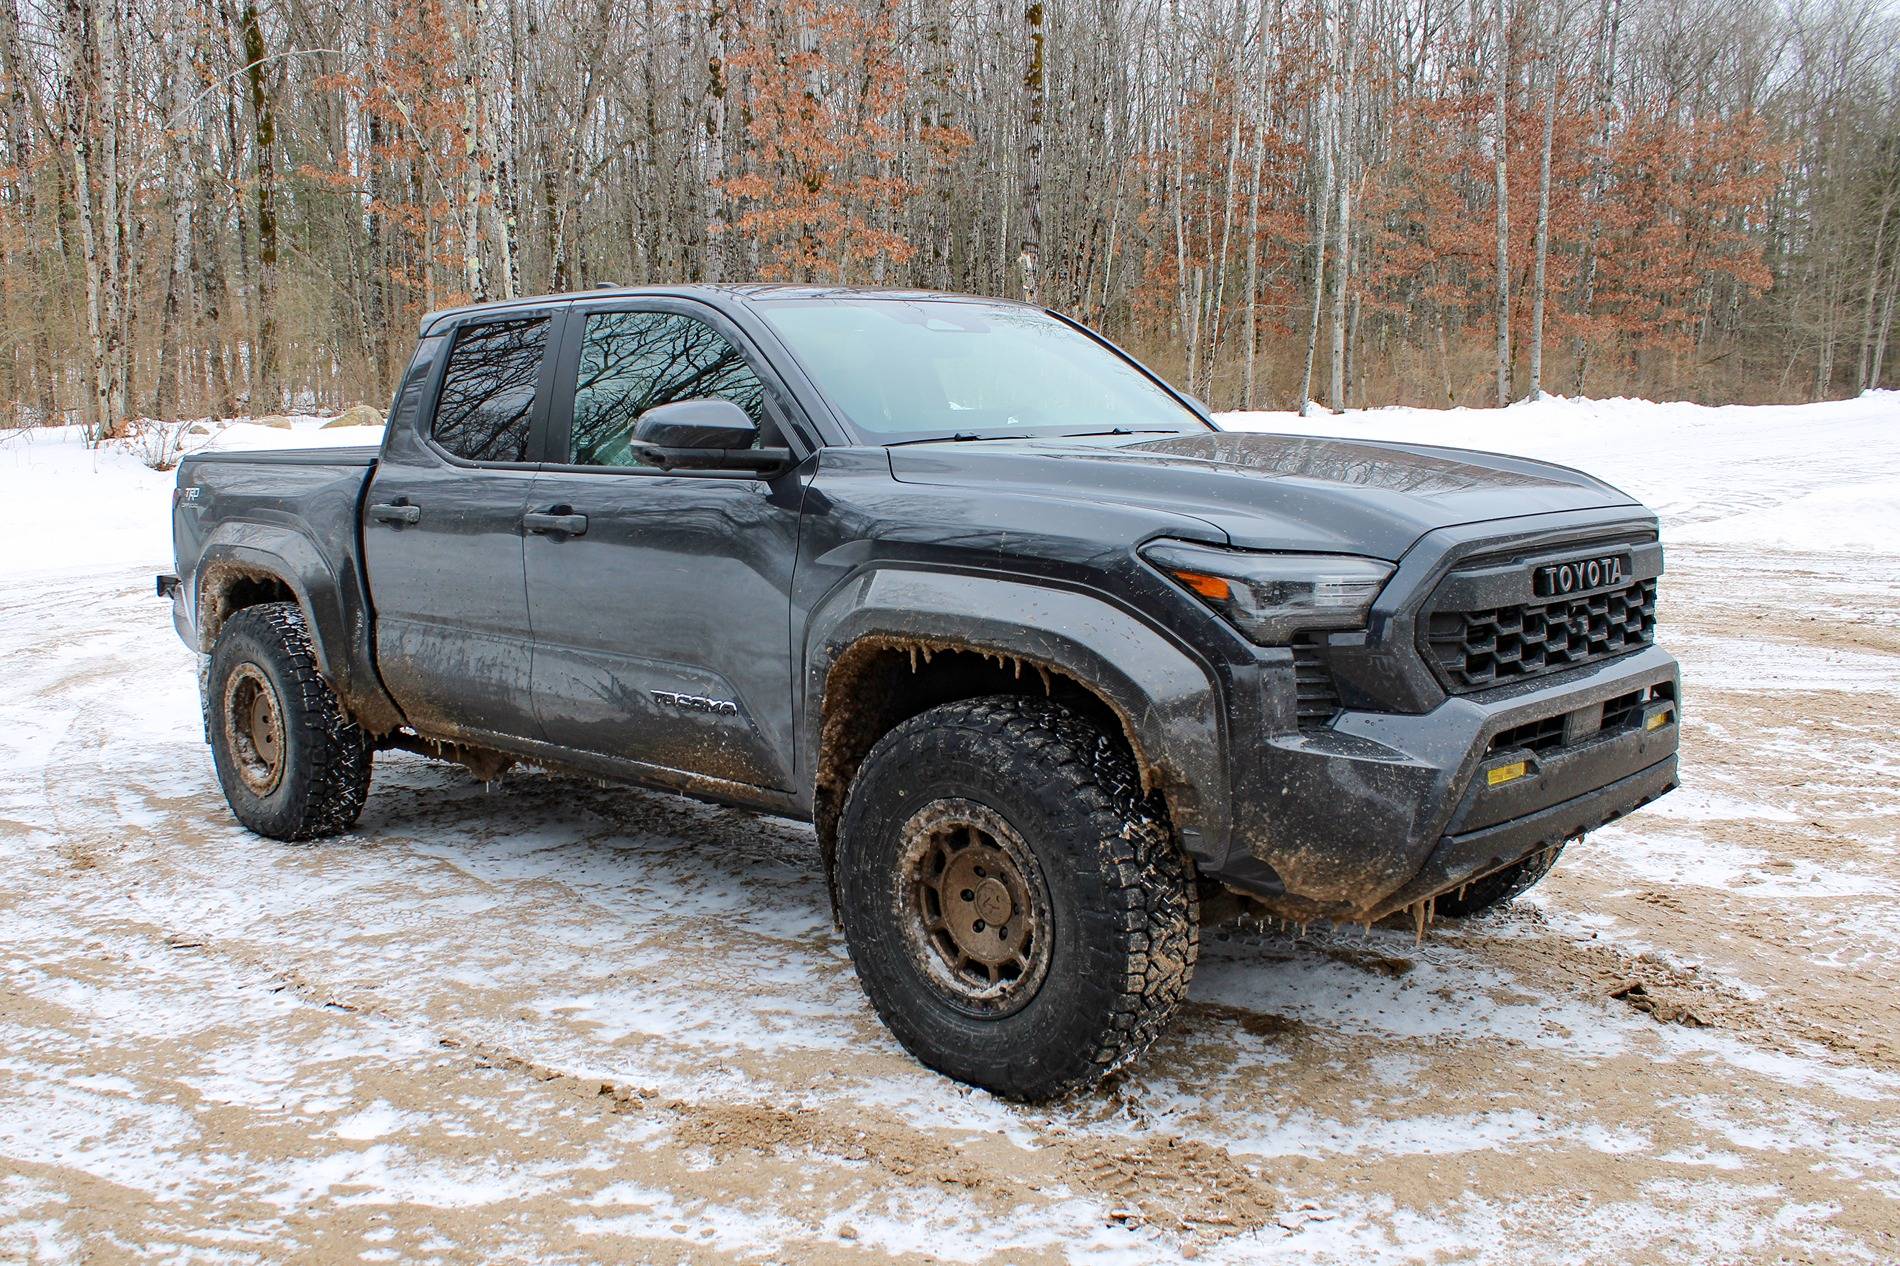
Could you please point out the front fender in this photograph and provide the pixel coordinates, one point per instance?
(1166, 700)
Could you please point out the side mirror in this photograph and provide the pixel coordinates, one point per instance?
(703, 435)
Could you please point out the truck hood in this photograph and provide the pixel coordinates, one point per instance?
(1286, 492)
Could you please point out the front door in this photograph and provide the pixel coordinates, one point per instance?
(442, 532)
(661, 601)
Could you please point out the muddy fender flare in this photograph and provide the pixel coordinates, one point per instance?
(1166, 699)
(335, 608)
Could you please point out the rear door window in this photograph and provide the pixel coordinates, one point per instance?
(486, 407)
(634, 361)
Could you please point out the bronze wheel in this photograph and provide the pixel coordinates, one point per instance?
(254, 728)
(1018, 912)
(973, 906)
(292, 764)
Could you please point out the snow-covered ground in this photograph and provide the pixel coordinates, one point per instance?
(549, 1022)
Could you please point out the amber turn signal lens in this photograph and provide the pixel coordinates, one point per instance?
(1506, 773)
(1213, 588)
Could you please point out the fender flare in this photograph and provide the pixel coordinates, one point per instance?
(334, 606)
(1166, 699)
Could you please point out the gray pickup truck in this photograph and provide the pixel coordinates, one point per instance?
(1055, 667)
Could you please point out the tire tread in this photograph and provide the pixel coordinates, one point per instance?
(330, 786)
(1146, 936)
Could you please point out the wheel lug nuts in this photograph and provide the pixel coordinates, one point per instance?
(969, 895)
(979, 925)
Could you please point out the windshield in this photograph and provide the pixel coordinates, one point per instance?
(902, 369)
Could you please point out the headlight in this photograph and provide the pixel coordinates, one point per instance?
(1270, 597)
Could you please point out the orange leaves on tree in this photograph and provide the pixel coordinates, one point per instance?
(824, 185)
(406, 92)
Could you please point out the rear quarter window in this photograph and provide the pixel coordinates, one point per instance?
(486, 405)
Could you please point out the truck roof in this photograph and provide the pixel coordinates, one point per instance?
(717, 294)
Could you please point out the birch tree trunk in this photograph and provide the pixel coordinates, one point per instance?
(113, 94)
(1599, 177)
(267, 389)
(1500, 141)
(1543, 227)
(78, 101)
(28, 128)
(473, 182)
(1347, 46)
(503, 202)
(1886, 326)
(1323, 207)
(178, 275)
(1867, 334)
(1247, 396)
(1030, 257)
(1324, 210)
(1186, 298)
(1218, 306)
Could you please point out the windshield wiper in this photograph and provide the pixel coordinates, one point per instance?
(1123, 430)
(959, 437)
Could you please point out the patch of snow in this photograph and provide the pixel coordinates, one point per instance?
(1788, 477)
(303, 433)
(73, 509)
(1666, 859)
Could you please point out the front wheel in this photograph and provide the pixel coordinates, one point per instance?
(293, 766)
(1017, 911)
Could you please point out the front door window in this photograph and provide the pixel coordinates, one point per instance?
(634, 361)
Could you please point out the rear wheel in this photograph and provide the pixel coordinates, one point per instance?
(1497, 887)
(1017, 910)
(292, 764)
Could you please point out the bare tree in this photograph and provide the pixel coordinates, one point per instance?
(1030, 257)
(1500, 152)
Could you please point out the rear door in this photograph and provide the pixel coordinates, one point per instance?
(662, 620)
(442, 529)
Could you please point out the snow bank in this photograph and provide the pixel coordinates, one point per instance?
(1806, 477)
(69, 508)
(304, 433)
(1855, 518)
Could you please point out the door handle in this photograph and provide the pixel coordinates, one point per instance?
(398, 514)
(559, 521)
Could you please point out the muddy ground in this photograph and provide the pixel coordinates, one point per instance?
(547, 1022)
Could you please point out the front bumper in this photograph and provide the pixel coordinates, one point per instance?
(1381, 810)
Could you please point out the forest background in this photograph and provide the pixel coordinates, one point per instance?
(212, 207)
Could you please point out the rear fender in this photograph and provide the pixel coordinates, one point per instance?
(334, 606)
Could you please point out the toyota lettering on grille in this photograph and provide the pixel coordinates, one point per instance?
(1557, 580)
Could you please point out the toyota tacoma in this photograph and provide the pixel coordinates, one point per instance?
(1047, 658)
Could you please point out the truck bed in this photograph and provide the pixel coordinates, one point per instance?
(354, 455)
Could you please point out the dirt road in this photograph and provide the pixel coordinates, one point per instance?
(547, 1022)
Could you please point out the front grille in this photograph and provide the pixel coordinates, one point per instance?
(1476, 649)
(1317, 696)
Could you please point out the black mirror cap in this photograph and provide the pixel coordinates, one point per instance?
(696, 424)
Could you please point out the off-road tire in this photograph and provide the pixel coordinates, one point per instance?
(1120, 913)
(323, 759)
(1497, 887)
